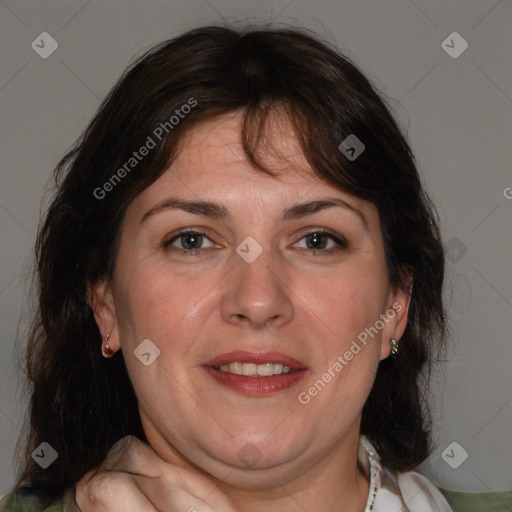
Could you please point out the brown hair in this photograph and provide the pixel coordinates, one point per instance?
(81, 403)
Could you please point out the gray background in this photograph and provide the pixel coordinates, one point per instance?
(457, 114)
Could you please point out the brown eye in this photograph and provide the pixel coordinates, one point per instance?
(190, 241)
(318, 240)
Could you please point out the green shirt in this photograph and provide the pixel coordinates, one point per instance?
(27, 499)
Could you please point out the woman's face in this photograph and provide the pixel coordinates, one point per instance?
(252, 283)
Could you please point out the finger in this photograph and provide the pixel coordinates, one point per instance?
(131, 455)
(111, 492)
(174, 498)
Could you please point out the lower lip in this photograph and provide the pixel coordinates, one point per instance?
(256, 386)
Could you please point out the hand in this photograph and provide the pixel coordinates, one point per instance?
(133, 478)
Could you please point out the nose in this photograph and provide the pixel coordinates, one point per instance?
(257, 294)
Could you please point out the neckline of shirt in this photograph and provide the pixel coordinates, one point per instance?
(370, 461)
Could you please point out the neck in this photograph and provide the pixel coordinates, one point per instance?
(336, 484)
(332, 481)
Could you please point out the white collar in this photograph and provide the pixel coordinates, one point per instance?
(391, 493)
(369, 459)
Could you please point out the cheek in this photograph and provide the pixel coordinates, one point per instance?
(170, 310)
(347, 301)
(155, 303)
(159, 307)
(353, 301)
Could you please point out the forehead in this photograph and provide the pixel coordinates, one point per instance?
(211, 165)
(217, 143)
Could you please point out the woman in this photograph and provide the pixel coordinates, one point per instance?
(240, 281)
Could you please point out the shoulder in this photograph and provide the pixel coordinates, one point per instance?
(397, 492)
(419, 494)
(29, 499)
(23, 499)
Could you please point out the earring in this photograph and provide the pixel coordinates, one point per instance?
(394, 347)
(106, 350)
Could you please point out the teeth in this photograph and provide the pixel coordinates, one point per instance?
(255, 370)
(235, 368)
(278, 368)
(249, 369)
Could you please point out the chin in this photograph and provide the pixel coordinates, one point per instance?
(260, 477)
(252, 454)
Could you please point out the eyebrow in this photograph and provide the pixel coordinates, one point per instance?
(217, 211)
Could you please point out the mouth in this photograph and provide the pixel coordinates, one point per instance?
(254, 370)
(255, 374)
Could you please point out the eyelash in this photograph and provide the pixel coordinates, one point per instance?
(340, 241)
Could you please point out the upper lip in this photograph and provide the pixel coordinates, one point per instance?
(256, 358)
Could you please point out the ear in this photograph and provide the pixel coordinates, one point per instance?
(397, 312)
(102, 303)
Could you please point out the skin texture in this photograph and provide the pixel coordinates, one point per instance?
(307, 304)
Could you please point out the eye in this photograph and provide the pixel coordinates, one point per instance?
(190, 241)
(318, 239)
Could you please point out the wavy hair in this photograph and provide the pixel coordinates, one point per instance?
(81, 403)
